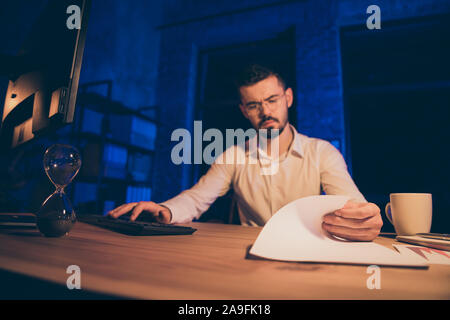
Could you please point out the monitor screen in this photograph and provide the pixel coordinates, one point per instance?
(45, 72)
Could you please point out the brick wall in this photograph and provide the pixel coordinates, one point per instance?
(122, 45)
(190, 26)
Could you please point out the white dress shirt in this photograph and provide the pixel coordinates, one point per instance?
(308, 165)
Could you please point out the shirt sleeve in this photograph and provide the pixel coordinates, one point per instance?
(334, 175)
(192, 203)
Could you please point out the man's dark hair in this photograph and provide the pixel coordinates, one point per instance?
(254, 73)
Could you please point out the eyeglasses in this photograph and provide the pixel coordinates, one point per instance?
(273, 103)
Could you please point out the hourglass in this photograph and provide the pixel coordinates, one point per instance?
(56, 216)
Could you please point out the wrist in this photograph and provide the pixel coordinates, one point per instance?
(170, 212)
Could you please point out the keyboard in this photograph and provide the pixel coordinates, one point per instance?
(136, 228)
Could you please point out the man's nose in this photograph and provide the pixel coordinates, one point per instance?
(264, 110)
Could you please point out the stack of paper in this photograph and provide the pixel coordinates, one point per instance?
(431, 256)
(295, 233)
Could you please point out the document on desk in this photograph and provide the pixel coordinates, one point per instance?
(429, 255)
(295, 233)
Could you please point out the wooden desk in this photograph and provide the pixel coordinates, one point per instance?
(210, 264)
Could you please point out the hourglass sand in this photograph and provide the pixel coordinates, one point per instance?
(56, 216)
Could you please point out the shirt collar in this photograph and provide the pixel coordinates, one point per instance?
(296, 146)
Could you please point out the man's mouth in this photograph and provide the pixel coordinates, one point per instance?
(268, 123)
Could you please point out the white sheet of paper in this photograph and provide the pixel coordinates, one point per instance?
(295, 233)
(429, 255)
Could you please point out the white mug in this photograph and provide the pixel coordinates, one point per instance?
(410, 213)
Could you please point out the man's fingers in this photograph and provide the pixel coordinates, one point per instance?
(356, 221)
(363, 211)
(349, 222)
(141, 206)
(136, 211)
(353, 213)
(345, 230)
(352, 204)
(117, 212)
(159, 213)
(349, 233)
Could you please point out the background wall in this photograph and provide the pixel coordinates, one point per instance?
(190, 28)
(159, 53)
(123, 45)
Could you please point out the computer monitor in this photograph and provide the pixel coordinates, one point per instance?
(44, 75)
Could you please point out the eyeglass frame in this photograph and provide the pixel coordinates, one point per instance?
(258, 105)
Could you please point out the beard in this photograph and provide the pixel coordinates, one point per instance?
(272, 133)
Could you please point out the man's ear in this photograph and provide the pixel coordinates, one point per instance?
(243, 110)
(289, 96)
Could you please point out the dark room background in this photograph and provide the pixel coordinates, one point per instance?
(382, 97)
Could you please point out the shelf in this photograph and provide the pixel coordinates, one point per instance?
(109, 180)
(104, 105)
(108, 187)
(96, 138)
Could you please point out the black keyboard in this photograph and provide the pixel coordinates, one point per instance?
(136, 228)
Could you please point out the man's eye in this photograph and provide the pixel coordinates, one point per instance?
(250, 107)
(272, 101)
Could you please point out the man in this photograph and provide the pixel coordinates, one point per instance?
(304, 166)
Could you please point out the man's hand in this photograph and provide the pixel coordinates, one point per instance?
(355, 221)
(159, 213)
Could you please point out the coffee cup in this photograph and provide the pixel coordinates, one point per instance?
(410, 213)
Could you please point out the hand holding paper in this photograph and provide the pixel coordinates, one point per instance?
(295, 233)
(355, 221)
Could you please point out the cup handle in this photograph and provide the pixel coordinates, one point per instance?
(388, 212)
